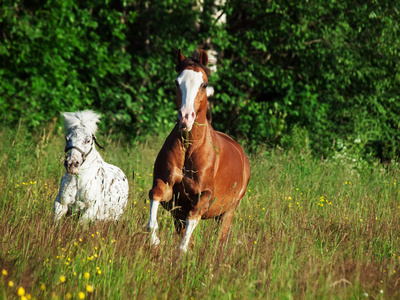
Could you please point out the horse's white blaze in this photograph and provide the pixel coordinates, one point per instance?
(191, 225)
(100, 191)
(189, 83)
(153, 225)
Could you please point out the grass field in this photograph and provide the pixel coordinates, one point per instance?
(306, 229)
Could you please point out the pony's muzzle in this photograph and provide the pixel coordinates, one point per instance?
(186, 118)
(72, 164)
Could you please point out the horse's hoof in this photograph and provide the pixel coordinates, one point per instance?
(154, 241)
(182, 249)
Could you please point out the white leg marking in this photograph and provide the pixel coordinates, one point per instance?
(153, 225)
(191, 225)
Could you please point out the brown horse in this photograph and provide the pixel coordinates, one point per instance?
(204, 171)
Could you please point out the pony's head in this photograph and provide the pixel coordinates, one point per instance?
(192, 82)
(81, 128)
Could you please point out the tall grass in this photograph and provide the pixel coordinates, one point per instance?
(305, 229)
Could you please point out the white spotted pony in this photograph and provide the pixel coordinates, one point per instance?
(91, 187)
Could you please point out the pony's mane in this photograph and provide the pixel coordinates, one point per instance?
(86, 118)
(194, 60)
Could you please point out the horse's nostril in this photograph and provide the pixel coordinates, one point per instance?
(193, 115)
(76, 164)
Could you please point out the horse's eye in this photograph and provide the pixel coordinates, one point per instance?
(87, 141)
(205, 85)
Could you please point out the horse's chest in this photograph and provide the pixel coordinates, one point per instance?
(90, 190)
(194, 180)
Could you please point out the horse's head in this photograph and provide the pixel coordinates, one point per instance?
(80, 138)
(192, 82)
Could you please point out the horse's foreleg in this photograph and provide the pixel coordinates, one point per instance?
(152, 226)
(194, 217)
(191, 224)
(159, 192)
(59, 210)
(65, 198)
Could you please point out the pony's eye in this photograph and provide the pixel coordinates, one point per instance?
(205, 85)
(87, 141)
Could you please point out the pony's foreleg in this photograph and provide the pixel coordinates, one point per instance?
(59, 210)
(158, 193)
(65, 197)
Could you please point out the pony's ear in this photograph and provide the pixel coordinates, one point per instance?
(203, 57)
(180, 57)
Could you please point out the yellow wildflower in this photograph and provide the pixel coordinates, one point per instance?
(21, 291)
(81, 295)
(62, 278)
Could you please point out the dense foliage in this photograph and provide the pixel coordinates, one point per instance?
(289, 73)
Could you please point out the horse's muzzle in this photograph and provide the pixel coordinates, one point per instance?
(186, 119)
(71, 165)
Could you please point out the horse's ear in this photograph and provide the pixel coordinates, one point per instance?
(203, 57)
(180, 57)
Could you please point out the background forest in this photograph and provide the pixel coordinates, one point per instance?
(316, 75)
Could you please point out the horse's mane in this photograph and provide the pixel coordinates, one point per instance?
(194, 60)
(86, 118)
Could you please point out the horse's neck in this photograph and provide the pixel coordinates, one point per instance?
(197, 137)
(92, 163)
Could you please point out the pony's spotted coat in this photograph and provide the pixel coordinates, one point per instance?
(91, 187)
